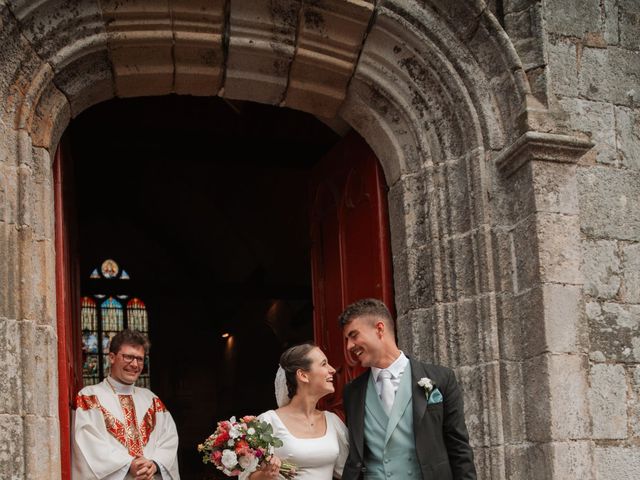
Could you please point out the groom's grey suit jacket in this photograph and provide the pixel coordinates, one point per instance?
(441, 438)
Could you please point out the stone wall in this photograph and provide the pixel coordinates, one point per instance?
(593, 49)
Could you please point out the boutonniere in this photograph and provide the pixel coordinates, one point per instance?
(427, 384)
(431, 391)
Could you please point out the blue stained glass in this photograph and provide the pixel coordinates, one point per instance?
(124, 275)
(90, 342)
(112, 315)
(94, 274)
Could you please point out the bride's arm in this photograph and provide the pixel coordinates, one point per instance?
(343, 444)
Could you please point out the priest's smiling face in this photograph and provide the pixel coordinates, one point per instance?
(127, 364)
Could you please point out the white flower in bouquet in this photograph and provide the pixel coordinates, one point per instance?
(229, 459)
(249, 463)
(235, 431)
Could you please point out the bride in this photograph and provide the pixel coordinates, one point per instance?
(315, 441)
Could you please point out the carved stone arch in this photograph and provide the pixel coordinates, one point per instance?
(435, 87)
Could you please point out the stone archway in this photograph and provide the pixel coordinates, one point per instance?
(438, 91)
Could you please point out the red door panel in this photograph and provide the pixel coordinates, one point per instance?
(69, 375)
(350, 246)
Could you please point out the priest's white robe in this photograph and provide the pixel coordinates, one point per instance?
(110, 429)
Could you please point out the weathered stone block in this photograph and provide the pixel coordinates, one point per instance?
(39, 369)
(510, 327)
(563, 331)
(608, 399)
(140, 46)
(596, 119)
(329, 40)
(570, 459)
(629, 18)
(601, 268)
(617, 463)
(480, 390)
(563, 67)
(11, 447)
(572, 17)
(463, 261)
(611, 27)
(614, 331)
(510, 6)
(261, 48)
(414, 277)
(50, 118)
(628, 136)
(21, 68)
(42, 452)
(525, 28)
(550, 460)
(33, 265)
(86, 81)
(525, 247)
(634, 403)
(559, 248)
(555, 187)
(10, 368)
(513, 403)
(559, 410)
(198, 27)
(504, 260)
(489, 462)
(631, 273)
(517, 460)
(53, 25)
(465, 323)
(408, 212)
(417, 333)
(610, 75)
(9, 271)
(8, 143)
(513, 198)
(610, 203)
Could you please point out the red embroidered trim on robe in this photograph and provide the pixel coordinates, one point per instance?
(149, 421)
(134, 438)
(114, 426)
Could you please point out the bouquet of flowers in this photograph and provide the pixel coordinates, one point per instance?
(237, 448)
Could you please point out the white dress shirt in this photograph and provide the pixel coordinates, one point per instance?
(396, 369)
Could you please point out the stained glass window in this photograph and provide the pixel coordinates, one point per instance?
(105, 311)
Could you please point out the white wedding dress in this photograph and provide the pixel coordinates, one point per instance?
(320, 458)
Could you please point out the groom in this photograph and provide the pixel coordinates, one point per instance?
(405, 418)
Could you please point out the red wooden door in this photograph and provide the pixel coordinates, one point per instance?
(350, 251)
(69, 374)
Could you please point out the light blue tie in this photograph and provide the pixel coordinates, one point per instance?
(387, 394)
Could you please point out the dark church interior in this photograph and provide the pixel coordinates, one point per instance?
(205, 203)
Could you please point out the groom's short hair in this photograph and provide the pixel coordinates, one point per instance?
(366, 307)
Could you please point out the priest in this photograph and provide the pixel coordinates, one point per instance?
(120, 431)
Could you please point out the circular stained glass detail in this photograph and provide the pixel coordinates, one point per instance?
(109, 269)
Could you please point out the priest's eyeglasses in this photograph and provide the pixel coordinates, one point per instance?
(130, 358)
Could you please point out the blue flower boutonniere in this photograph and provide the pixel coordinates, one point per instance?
(431, 391)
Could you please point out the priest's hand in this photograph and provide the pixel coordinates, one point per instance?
(142, 468)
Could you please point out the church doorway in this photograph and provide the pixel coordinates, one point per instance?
(204, 204)
(241, 231)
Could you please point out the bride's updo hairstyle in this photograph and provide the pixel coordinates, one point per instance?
(294, 359)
